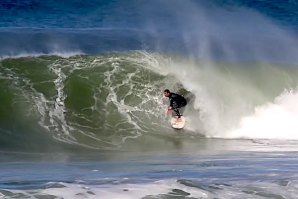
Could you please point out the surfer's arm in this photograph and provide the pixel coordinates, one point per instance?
(169, 110)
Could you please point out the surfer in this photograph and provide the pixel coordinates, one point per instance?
(176, 103)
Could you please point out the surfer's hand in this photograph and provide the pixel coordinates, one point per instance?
(169, 111)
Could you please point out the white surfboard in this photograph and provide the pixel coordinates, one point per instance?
(178, 125)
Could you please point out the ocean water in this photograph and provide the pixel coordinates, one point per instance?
(82, 113)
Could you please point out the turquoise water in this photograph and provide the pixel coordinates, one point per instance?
(81, 106)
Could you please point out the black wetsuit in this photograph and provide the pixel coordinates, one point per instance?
(176, 102)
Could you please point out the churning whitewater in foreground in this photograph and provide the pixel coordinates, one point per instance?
(168, 175)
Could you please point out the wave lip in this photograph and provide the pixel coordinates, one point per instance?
(32, 41)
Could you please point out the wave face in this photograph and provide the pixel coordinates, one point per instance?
(94, 102)
(103, 101)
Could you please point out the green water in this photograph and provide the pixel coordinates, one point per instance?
(114, 101)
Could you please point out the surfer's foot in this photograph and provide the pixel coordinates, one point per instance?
(179, 119)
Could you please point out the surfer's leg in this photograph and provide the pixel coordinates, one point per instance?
(177, 112)
(181, 110)
(176, 109)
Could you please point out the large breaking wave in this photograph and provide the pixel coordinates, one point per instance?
(103, 101)
(98, 84)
